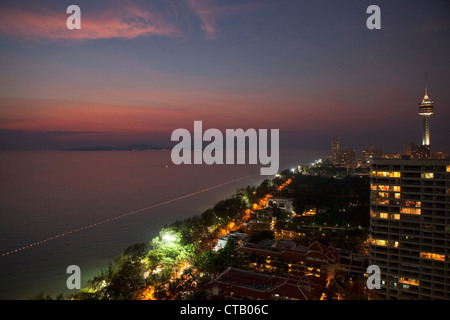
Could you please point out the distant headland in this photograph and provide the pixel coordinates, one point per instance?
(134, 147)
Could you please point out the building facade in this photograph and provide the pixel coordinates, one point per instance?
(409, 229)
(334, 150)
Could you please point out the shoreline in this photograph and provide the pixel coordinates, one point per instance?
(227, 229)
(230, 226)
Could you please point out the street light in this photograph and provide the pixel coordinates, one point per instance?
(168, 238)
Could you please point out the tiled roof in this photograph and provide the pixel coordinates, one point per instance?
(317, 246)
(245, 283)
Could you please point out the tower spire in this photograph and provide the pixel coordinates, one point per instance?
(426, 109)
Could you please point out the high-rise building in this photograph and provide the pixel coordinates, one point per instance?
(371, 153)
(417, 151)
(410, 227)
(334, 150)
(347, 158)
(426, 109)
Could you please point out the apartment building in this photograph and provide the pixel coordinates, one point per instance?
(410, 227)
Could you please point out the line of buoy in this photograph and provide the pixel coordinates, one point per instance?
(116, 218)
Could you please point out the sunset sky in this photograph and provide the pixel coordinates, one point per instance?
(137, 70)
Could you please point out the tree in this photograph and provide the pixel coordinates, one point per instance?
(122, 280)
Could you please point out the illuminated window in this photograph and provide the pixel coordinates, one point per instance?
(383, 188)
(394, 174)
(416, 204)
(381, 201)
(373, 214)
(382, 174)
(397, 195)
(383, 194)
(410, 281)
(396, 188)
(378, 242)
(427, 175)
(433, 256)
(410, 210)
(448, 168)
(385, 215)
(373, 187)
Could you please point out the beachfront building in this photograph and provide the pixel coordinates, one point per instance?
(240, 284)
(410, 227)
(239, 239)
(317, 260)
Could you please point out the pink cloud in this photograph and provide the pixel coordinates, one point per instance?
(208, 13)
(127, 22)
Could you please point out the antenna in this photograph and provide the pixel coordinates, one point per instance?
(426, 84)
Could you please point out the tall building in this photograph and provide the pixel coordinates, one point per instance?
(426, 109)
(334, 150)
(347, 158)
(417, 151)
(371, 153)
(409, 229)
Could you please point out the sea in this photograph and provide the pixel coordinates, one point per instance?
(83, 208)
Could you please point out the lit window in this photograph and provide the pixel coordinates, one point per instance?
(433, 256)
(396, 188)
(448, 168)
(427, 175)
(416, 204)
(394, 174)
(383, 215)
(410, 210)
(396, 216)
(397, 195)
(378, 242)
(380, 201)
(409, 281)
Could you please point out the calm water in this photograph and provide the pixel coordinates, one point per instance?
(44, 194)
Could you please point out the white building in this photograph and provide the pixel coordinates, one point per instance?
(238, 237)
(283, 203)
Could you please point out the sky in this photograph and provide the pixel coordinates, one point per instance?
(138, 70)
